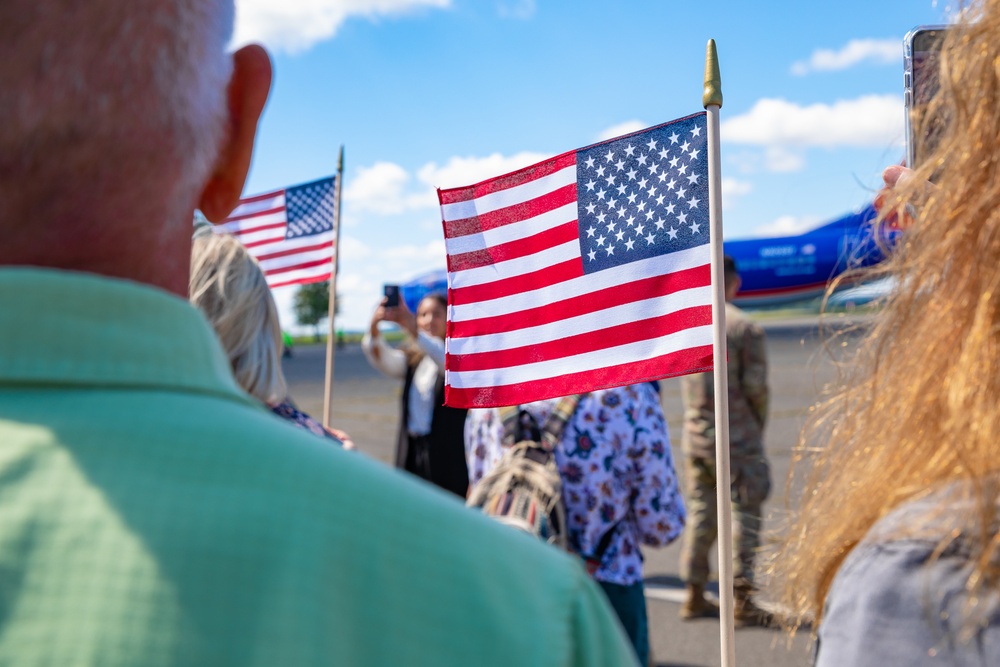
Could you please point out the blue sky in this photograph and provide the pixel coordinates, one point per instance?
(442, 93)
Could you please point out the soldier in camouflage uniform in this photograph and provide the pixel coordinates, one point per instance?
(751, 479)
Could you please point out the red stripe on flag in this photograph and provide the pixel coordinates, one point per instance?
(296, 267)
(257, 230)
(255, 214)
(544, 277)
(257, 244)
(266, 195)
(631, 332)
(512, 250)
(464, 227)
(294, 251)
(511, 214)
(682, 362)
(470, 260)
(584, 303)
(520, 177)
(302, 281)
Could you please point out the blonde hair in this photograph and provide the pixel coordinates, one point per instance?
(917, 408)
(228, 287)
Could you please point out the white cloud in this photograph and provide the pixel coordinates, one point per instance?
(382, 189)
(732, 189)
(354, 248)
(516, 9)
(782, 160)
(412, 259)
(355, 308)
(385, 188)
(736, 187)
(459, 171)
(857, 51)
(296, 25)
(745, 161)
(868, 121)
(627, 127)
(774, 159)
(378, 188)
(787, 225)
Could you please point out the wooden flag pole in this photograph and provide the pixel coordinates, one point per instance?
(332, 308)
(712, 100)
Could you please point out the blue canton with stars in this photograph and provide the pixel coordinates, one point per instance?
(309, 208)
(643, 195)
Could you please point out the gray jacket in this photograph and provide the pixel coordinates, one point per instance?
(893, 603)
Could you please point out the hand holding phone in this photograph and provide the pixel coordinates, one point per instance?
(391, 296)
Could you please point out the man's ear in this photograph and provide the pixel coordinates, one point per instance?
(247, 94)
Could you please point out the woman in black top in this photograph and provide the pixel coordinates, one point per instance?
(430, 442)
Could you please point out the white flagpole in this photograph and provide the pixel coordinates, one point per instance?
(332, 308)
(712, 100)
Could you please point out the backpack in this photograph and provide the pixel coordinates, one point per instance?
(524, 490)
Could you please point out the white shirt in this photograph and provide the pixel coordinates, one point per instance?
(392, 363)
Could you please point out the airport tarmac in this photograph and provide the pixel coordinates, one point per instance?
(366, 405)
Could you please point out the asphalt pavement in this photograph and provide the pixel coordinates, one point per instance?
(801, 359)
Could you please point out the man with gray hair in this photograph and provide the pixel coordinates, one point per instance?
(151, 513)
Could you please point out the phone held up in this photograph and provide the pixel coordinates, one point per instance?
(392, 296)
(921, 48)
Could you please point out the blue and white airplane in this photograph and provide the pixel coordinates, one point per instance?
(774, 271)
(786, 269)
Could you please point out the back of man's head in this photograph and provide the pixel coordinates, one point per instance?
(110, 110)
(729, 268)
(731, 276)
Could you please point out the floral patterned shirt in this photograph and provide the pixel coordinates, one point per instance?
(617, 473)
(302, 420)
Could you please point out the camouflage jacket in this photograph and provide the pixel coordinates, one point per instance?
(748, 394)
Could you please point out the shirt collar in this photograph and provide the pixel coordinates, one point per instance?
(70, 328)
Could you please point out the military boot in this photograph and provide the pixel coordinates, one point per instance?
(696, 605)
(746, 613)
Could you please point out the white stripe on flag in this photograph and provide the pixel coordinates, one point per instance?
(574, 288)
(511, 232)
(509, 197)
(483, 275)
(254, 207)
(299, 275)
(276, 235)
(621, 354)
(278, 263)
(239, 227)
(326, 238)
(581, 324)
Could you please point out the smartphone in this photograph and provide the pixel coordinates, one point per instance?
(921, 48)
(391, 296)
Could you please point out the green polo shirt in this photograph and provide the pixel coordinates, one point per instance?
(153, 514)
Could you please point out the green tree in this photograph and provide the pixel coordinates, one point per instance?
(312, 305)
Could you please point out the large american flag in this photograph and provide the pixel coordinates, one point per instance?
(586, 271)
(292, 232)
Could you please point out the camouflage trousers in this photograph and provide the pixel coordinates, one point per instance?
(751, 483)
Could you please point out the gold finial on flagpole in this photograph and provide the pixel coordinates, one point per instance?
(713, 79)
